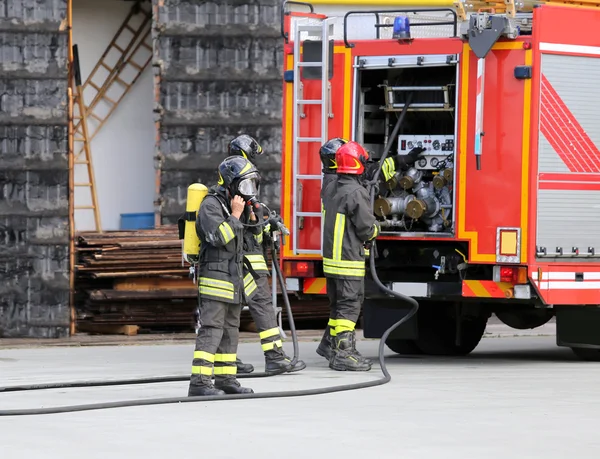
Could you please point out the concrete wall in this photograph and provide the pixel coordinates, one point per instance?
(123, 149)
(220, 65)
(34, 282)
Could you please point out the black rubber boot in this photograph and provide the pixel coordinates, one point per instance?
(243, 368)
(325, 346)
(345, 357)
(298, 366)
(203, 389)
(231, 385)
(275, 362)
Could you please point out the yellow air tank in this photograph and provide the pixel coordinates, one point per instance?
(191, 244)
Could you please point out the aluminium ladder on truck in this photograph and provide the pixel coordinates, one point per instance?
(322, 31)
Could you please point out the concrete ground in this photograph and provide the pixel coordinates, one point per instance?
(513, 397)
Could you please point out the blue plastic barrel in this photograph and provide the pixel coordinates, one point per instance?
(137, 221)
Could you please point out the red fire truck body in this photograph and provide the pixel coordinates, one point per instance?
(502, 214)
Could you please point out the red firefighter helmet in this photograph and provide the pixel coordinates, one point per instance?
(351, 158)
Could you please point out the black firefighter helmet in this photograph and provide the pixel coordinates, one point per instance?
(246, 146)
(327, 153)
(239, 177)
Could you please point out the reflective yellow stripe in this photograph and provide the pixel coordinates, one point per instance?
(226, 370)
(375, 231)
(257, 262)
(268, 333)
(332, 323)
(246, 168)
(250, 288)
(367, 253)
(259, 237)
(389, 168)
(344, 267)
(255, 257)
(223, 285)
(344, 272)
(226, 232)
(351, 264)
(270, 346)
(204, 356)
(249, 284)
(215, 292)
(344, 325)
(225, 357)
(338, 236)
(202, 370)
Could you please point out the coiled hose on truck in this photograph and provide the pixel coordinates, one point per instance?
(278, 394)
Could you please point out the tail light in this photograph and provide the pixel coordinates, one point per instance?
(298, 269)
(510, 274)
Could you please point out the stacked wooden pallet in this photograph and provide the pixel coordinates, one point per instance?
(133, 278)
(137, 279)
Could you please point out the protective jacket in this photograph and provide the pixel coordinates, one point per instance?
(349, 223)
(253, 247)
(221, 249)
(328, 188)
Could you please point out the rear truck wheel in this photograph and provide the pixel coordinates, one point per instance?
(403, 346)
(578, 327)
(446, 330)
(526, 318)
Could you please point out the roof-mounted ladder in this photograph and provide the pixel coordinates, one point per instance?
(323, 31)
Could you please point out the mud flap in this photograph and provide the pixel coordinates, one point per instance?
(380, 314)
(578, 326)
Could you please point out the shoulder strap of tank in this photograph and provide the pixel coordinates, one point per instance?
(220, 199)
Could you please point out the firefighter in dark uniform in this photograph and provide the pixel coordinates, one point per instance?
(261, 303)
(222, 284)
(349, 224)
(327, 153)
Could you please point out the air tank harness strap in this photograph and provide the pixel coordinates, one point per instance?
(248, 265)
(186, 217)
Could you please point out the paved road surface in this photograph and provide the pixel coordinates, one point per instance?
(517, 397)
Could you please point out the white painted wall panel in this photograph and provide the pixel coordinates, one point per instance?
(123, 150)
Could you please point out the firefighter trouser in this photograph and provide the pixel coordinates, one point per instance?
(345, 297)
(263, 314)
(217, 341)
(331, 295)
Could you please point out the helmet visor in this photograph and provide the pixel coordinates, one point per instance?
(248, 187)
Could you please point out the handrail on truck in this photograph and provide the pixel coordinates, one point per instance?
(378, 25)
(284, 12)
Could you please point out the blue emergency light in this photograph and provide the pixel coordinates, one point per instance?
(401, 28)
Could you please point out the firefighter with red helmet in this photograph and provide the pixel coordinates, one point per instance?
(260, 302)
(327, 153)
(349, 224)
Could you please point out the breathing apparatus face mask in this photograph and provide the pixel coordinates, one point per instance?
(248, 187)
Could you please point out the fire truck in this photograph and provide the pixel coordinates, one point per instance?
(501, 213)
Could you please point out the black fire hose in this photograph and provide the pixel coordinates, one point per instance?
(279, 394)
(372, 183)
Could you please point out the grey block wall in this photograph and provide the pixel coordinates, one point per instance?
(34, 280)
(220, 69)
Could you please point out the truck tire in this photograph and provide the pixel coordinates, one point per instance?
(403, 346)
(526, 318)
(587, 354)
(437, 333)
